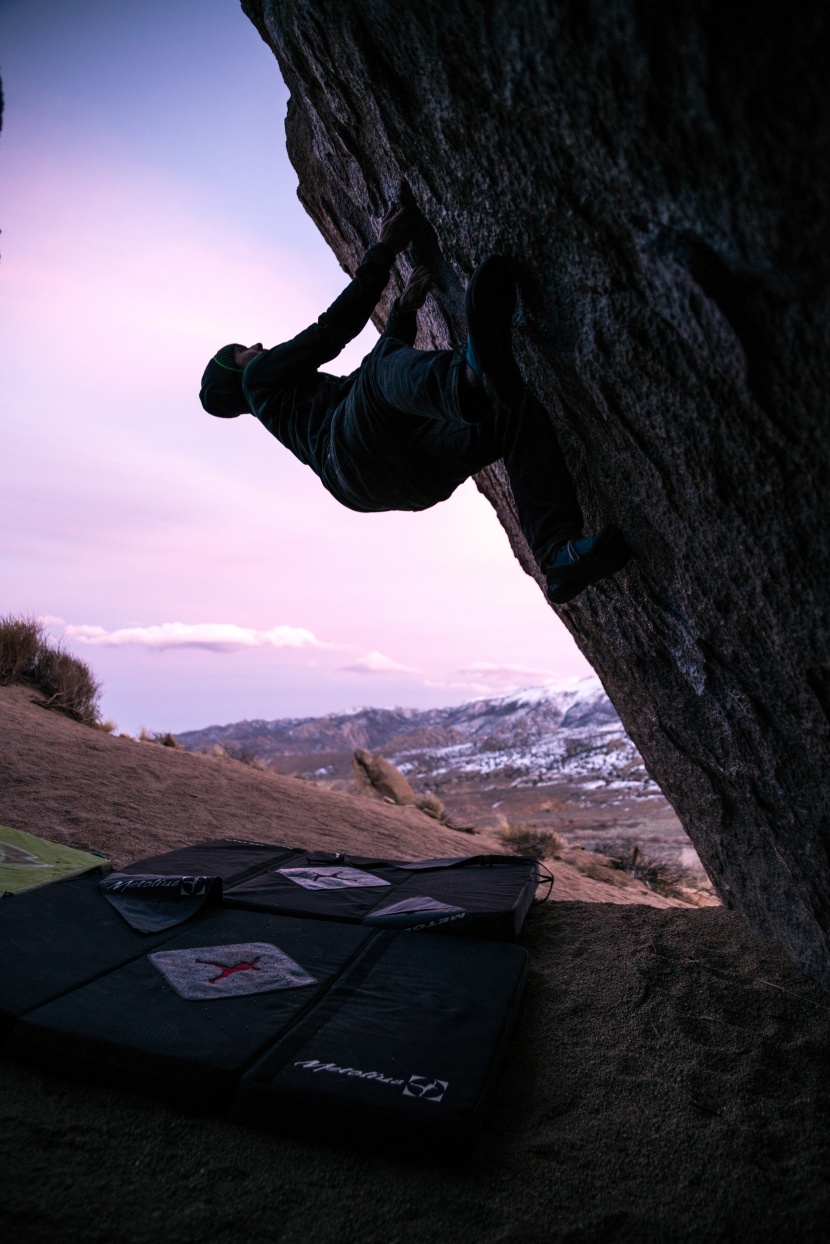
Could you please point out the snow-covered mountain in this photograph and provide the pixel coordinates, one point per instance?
(527, 738)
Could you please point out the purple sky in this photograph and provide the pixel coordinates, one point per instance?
(149, 215)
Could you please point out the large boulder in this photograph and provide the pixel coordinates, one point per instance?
(660, 175)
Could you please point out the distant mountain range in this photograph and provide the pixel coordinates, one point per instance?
(528, 738)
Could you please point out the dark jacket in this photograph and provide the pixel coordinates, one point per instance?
(284, 388)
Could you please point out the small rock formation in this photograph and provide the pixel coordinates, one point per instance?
(661, 175)
(374, 775)
(379, 778)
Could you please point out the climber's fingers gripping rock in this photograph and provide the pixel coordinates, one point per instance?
(395, 229)
(416, 289)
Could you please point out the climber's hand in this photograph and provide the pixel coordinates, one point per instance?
(416, 289)
(395, 230)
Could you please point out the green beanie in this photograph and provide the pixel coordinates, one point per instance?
(222, 393)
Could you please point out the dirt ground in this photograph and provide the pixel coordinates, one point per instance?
(667, 1080)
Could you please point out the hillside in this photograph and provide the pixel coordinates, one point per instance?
(555, 757)
(82, 787)
(667, 1079)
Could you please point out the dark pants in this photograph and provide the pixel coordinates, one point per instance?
(411, 430)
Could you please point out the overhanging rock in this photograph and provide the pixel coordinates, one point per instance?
(660, 174)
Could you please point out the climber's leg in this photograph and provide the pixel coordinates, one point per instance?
(424, 383)
(548, 508)
(490, 303)
(544, 492)
(400, 440)
(584, 561)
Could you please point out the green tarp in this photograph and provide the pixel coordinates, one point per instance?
(27, 861)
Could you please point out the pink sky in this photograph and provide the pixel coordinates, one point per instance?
(204, 573)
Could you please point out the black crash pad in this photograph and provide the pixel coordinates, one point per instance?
(329, 1028)
(135, 1019)
(481, 896)
(57, 937)
(231, 859)
(404, 1048)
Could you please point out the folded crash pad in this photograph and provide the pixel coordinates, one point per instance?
(151, 903)
(482, 896)
(27, 861)
(311, 1024)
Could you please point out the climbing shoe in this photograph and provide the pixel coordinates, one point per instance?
(584, 561)
(491, 301)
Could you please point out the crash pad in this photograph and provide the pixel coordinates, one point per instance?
(329, 1029)
(27, 861)
(57, 937)
(480, 896)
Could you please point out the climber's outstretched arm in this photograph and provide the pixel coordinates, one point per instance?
(345, 318)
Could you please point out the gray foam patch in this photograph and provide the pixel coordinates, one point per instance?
(205, 973)
(333, 877)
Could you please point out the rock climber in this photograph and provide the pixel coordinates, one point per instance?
(405, 429)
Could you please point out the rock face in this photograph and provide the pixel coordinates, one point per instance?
(660, 175)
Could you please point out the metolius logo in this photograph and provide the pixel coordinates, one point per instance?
(314, 1064)
(426, 1089)
(415, 1086)
(185, 887)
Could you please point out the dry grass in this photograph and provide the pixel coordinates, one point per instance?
(528, 840)
(659, 874)
(432, 805)
(20, 643)
(241, 754)
(168, 740)
(164, 738)
(28, 656)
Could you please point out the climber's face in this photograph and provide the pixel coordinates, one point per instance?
(242, 355)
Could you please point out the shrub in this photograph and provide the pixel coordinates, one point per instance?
(27, 656)
(67, 683)
(661, 875)
(20, 641)
(528, 840)
(167, 739)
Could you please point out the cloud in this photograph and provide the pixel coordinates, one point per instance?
(490, 671)
(488, 678)
(376, 663)
(215, 636)
(228, 637)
